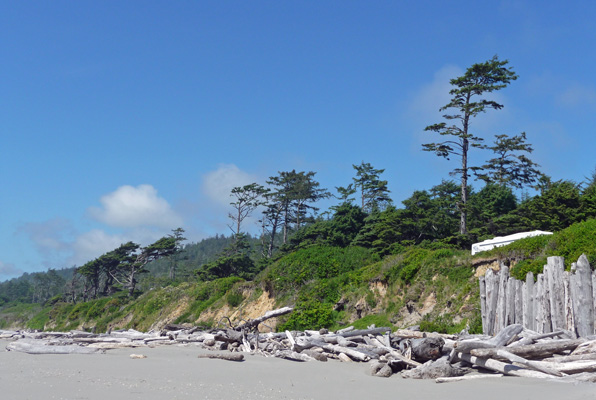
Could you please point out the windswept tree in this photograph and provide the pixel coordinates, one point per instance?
(292, 194)
(510, 167)
(467, 102)
(247, 199)
(374, 194)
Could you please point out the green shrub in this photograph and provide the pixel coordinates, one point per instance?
(536, 266)
(309, 314)
(379, 320)
(316, 262)
(234, 298)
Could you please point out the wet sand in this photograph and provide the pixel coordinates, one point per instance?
(172, 372)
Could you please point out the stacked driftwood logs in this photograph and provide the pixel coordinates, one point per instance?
(514, 351)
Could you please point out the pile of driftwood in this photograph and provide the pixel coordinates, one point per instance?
(514, 351)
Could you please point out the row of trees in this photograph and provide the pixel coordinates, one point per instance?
(120, 268)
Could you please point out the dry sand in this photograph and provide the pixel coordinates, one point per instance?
(172, 372)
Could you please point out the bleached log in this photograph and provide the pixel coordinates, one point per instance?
(315, 354)
(504, 336)
(116, 345)
(90, 340)
(224, 356)
(467, 378)
(572, 357)
(396, 354)
(587, 347)
(31, 348)
(504, 368)
(543, 320)
(362, 332)
(594, 297)
(483, 307)
(529, 318)
(500, 319)
(492, 293)
(532, 338)
(253, 323)
(433, 369)
(538, 350)
(583, 304)
(510, 302)
(519, 308)
(535, 365)
(556, 267)
(568, 303)
(292, 355)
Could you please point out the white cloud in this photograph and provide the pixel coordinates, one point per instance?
(217, 185)
(130, 207)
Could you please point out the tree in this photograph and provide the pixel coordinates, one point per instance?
(509, 167)
(178, 236)
(248, 198)
(468, 101)
(488, 206)
(374, 194)
(290, 197)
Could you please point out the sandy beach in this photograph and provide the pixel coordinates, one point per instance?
(172, 372)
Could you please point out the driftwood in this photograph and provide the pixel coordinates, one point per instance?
(504, 368)
(505, 336)
(466, 378)
(553, 300)
(433, 369)
(427, 348)
(253, 323)
(538, 350)
(513, 351)
(37, 348)
(224, 356)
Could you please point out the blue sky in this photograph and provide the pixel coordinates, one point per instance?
(122, 120)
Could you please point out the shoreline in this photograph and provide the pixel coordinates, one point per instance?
(175, 372)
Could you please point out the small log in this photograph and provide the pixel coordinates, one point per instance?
(467, 377)
(224, 356)
(433, 369)
(381, 369)
(316, 355)
(292, 355)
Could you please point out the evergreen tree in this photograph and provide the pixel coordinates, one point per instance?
(467, 102)
(374, 194)
(510, 167)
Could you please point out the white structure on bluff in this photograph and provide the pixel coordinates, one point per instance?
(504, 240)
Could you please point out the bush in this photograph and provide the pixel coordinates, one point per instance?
(309, 314)
(316, 262)
(234, 298)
